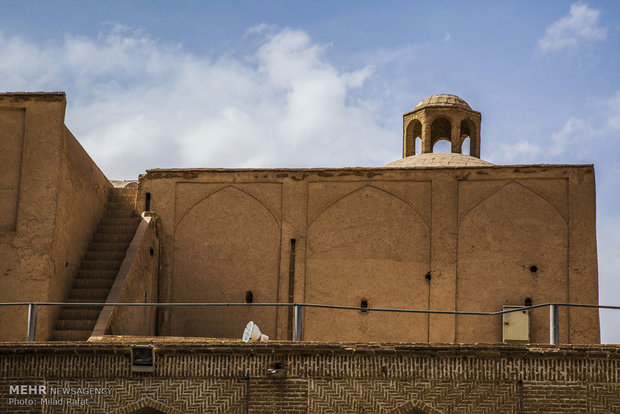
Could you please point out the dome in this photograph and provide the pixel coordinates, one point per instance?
(438, 159)
(443, 100)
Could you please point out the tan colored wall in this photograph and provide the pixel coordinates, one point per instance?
(139, 286)
(375, 234)
(53, 198)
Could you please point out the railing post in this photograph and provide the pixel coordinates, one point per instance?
(297, 322)
(32, 321)
(554, 325)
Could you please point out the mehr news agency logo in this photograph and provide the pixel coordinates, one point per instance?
(29, 395)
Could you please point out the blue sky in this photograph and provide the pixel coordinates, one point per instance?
(325, 83)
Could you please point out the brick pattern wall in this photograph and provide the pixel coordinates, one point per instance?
(322, 378)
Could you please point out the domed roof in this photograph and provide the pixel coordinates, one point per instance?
(443, 99)
(438, 159)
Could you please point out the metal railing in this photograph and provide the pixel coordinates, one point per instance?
(554, 315)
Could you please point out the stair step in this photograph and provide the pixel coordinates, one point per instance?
(117, 229)
(71, 335)
(92, 294)
(100, 246)
(81, 312)
(93, 283)
(121, 213)
(112, 237)
(120, 206)
(101, 264)
(116, 197)
(122, 202)
(97, 273)
(120, 221)
(105, 255)
(75, 324)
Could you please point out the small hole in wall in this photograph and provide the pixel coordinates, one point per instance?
(528, 302)
(66, 264)
(428, 277)
(249, 296)
(151, 251)
(534, 269)
(364, 305)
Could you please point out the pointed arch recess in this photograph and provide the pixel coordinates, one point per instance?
(233, 247)
(357, 249)
(496, 246)
(310, 222)
(462, 218)
(217, 191)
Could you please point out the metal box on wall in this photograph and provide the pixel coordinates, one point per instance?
(515, 325)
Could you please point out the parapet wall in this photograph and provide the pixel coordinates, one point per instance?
(52, 196)
(138, 284)
(194, 376)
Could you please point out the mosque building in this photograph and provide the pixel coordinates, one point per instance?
(432, 231)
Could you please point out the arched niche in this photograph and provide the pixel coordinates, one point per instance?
(468, 130)
(441, 128)
(367, 245)
(225, 245)
(412, 133)
(499, 240)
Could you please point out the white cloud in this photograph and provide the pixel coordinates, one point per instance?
(136, 103)
(515, 153)
(260, 28)
(574, 134)
(580, 24)
(579, 139)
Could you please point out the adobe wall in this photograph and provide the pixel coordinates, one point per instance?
(139, 286)
(435, 238)
(232, 377)
(52, 197)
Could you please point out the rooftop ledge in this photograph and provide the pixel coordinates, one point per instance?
(36, 96)
(364, 169)
(215, 345)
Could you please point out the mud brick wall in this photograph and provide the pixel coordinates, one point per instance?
(232, 377)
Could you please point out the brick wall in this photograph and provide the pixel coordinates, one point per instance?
(231, 377)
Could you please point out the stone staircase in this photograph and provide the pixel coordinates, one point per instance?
(99, 267)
